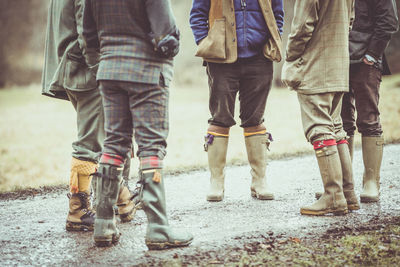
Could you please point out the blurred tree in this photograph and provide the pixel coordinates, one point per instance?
(20, 21)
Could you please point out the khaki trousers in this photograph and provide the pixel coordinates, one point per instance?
(320, 115)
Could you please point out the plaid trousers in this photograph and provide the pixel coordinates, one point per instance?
(135, 107)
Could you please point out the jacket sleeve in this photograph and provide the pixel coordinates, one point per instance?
(386, 23)
(279, 13)
(304, 20)
(87, 32)
(199, 19)
(161, 18)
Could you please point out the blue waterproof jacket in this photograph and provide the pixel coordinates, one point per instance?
(251, 28)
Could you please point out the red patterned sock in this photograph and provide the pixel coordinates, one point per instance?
(324, 143)
(112, 159)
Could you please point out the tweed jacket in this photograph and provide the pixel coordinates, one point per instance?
(220, 45)
(67, 62)
(122, 30)
(317, 53)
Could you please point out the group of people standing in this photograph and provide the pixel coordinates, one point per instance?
(113, 60)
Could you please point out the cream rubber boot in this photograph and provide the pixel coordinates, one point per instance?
(351, 151)
(332, 200)
(372, 149)
(348, 181)
(216, 161)
(256, 146)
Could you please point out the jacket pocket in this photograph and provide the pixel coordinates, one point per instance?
(292, 73)
(358, 44)
(78, 76)
(272, 50)
(214, 45)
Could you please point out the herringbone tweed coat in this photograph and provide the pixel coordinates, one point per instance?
(317, 54)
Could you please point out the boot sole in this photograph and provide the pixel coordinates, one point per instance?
(323, 212)
(368, 199)
(353, 207)
(78, 227)
(215, 198)
(260, 197)
(106, 241)
(166, 245)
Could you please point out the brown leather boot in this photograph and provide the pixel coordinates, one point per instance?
(127, 204)
(332, 200)
(80, 215)
(372, 149)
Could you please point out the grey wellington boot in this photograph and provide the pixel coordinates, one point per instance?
(159, 234)
(108, 184)
(351, 151)
(332, 200)
(372, 150)
(216, 161)
(348, 181)
(256, 146)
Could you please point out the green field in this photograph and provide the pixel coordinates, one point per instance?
(36, 132)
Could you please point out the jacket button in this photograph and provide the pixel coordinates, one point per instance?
(234, 40)
(233, 24)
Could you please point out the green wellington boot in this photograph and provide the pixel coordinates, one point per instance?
(256, 146)
(332, 200)
(216, 161)
(372, 150)
(348, 181)
(159, 234)
(108, 184)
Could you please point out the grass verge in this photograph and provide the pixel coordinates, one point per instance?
(376, 243)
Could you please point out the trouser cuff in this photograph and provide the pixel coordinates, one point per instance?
(112, 160)
(152, 162)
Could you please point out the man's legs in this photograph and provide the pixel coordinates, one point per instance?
(117, 144)
(255, 84)
(86, 151)
(223, 84)
(366, 84)
(344, 154)
(319, 129)
(149, 110)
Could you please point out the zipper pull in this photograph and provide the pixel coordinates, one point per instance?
(243, 3)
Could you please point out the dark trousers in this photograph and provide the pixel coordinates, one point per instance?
(364, 97)
(134, 106)
(252, 78)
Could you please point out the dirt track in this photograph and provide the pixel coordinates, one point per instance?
(32, 229)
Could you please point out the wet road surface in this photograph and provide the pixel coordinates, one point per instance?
(32, 230)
